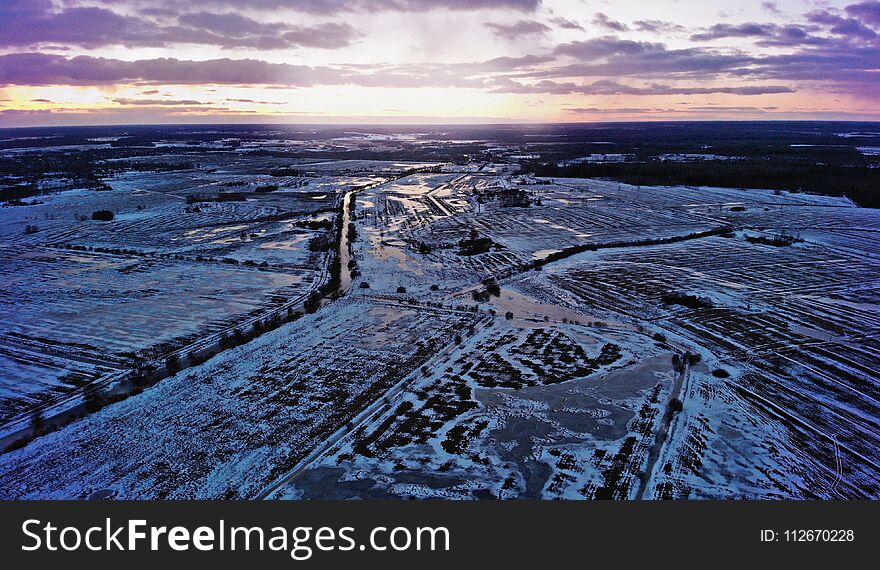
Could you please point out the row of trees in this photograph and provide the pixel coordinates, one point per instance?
(857, 182)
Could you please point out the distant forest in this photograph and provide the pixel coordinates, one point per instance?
(818, 157)
(859, 183)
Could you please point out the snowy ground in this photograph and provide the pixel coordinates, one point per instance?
(717, 367)
(778, 402)
(172, 267)
(225, 428)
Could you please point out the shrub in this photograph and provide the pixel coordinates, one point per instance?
(779, 240)
(172, 364)
(689, 301)
(480, 296)
(313, 302)
(94, 399)
(285, 171)
(475, 245)
(492, 288)
(102, 215)
(37, 422)
(677, 364)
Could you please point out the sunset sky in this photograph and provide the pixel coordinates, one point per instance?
(438, 61)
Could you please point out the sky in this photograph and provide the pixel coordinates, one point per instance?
(74, 62)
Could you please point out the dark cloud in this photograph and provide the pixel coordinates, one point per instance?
(792, 35)
(765, 34)
(330, 7)
(36, 22)
(48, 69)
(658, 26)
(505, 63)
(607, 46)
(228, 100)
(772, 8)
(518, 29)
(824, 63)
(867, 12)
(712, 110)
(329, 36)
(120, 113)
(734, 31)
(613, 57)
(594, 110)
(855, 26)
(606, 23)
(28, 22)
(236, 30)
(611, 87)
(847, 27)
(229, 24)
(566, 24)
(156, 102)
(840, 67)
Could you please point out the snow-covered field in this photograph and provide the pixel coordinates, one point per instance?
(189, 253)
(226, 428)
(718, 366)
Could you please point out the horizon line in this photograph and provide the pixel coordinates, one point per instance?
(441, 124)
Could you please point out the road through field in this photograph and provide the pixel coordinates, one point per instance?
(662, 431)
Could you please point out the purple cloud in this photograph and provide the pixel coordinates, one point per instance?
(611, 87)
(35, 22)
(867, 12)
(329, 36)
(847, 27)
(50, 69)
(252, 101)
(518, 29)
(47, 69)
(772, 7)
(566, 24)
(329, 7)
(28, 22)
(658, 26)
(735, 31)
(766, 34)
(620, 111)
(831, 50)
(613, 57)
(606, 23)
(230, 24)
(156, 102)
(607, 46)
